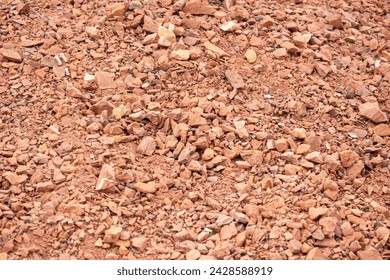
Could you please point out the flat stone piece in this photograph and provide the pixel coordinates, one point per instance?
(235, 79)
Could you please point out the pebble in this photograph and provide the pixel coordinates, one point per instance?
(235, 79)
(11, 55)
(369, 253)
(250, 55)
(315, 254)
(372, 112)
(382, 130)
(193, 255)
(106, 180)
(150, 187)
(348, 158)
(147, 146)
(139, 243)
(315, 213)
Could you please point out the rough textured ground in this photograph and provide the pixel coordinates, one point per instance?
(169, 129)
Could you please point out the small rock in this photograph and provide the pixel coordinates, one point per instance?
(328, 225)
(239, 13)
(275, 232)
(72, 91)
(302, 149)
(198, 7)
(147, 146)
(117, 10)
(139, 243)
(105, 80)
(235, 79)
(251, 56)
(45, 186)
(106, 181)
(315, 213)
(166, 36)
(195, 166)
(369, 254)
(119, 111)
(3, 256)
(335, 21)
(372, 112)
(11, 55)
(281, 145)
(14, 178)
(111, 257)
(348, 158)
(382, 129)
(218, 51)
(279, 53)
(150, 187)
(241, 129)
(294, 246)
(299, 133)
(314, 157)
(227, 232)
(112, 234)
(180, 54)
(123, 251)
(301, 40)
(193, 255)
(92, 32)
(315, 254)
(322, 69)
(208, 154)
(240, 239)
(195, 120)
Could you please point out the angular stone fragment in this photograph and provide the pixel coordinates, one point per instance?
(166, 36)
(74, 92)
(348, 158)
(195, 166)
(150, 187)
(322, 69)
(180, 54)
(105, 80)
(119, 111)
(92, 32)
(369, 254)
(382, 130)
(14, 178)
(335, 21)
(106, 180)
(294, 246)
(279, 53)
(228, 231)
(241, 129)
(11, 55)
(314, 213)
(117, 10)
(314, 157)
(235, 79)
(281, 145)
(150, 25)
(193, 255)
(147, 146)
(372, 112)
(45, 186)
(198, 7)
(215, 49)
(315, 254)
(301, 40)
(328, 225)
(139, 243)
